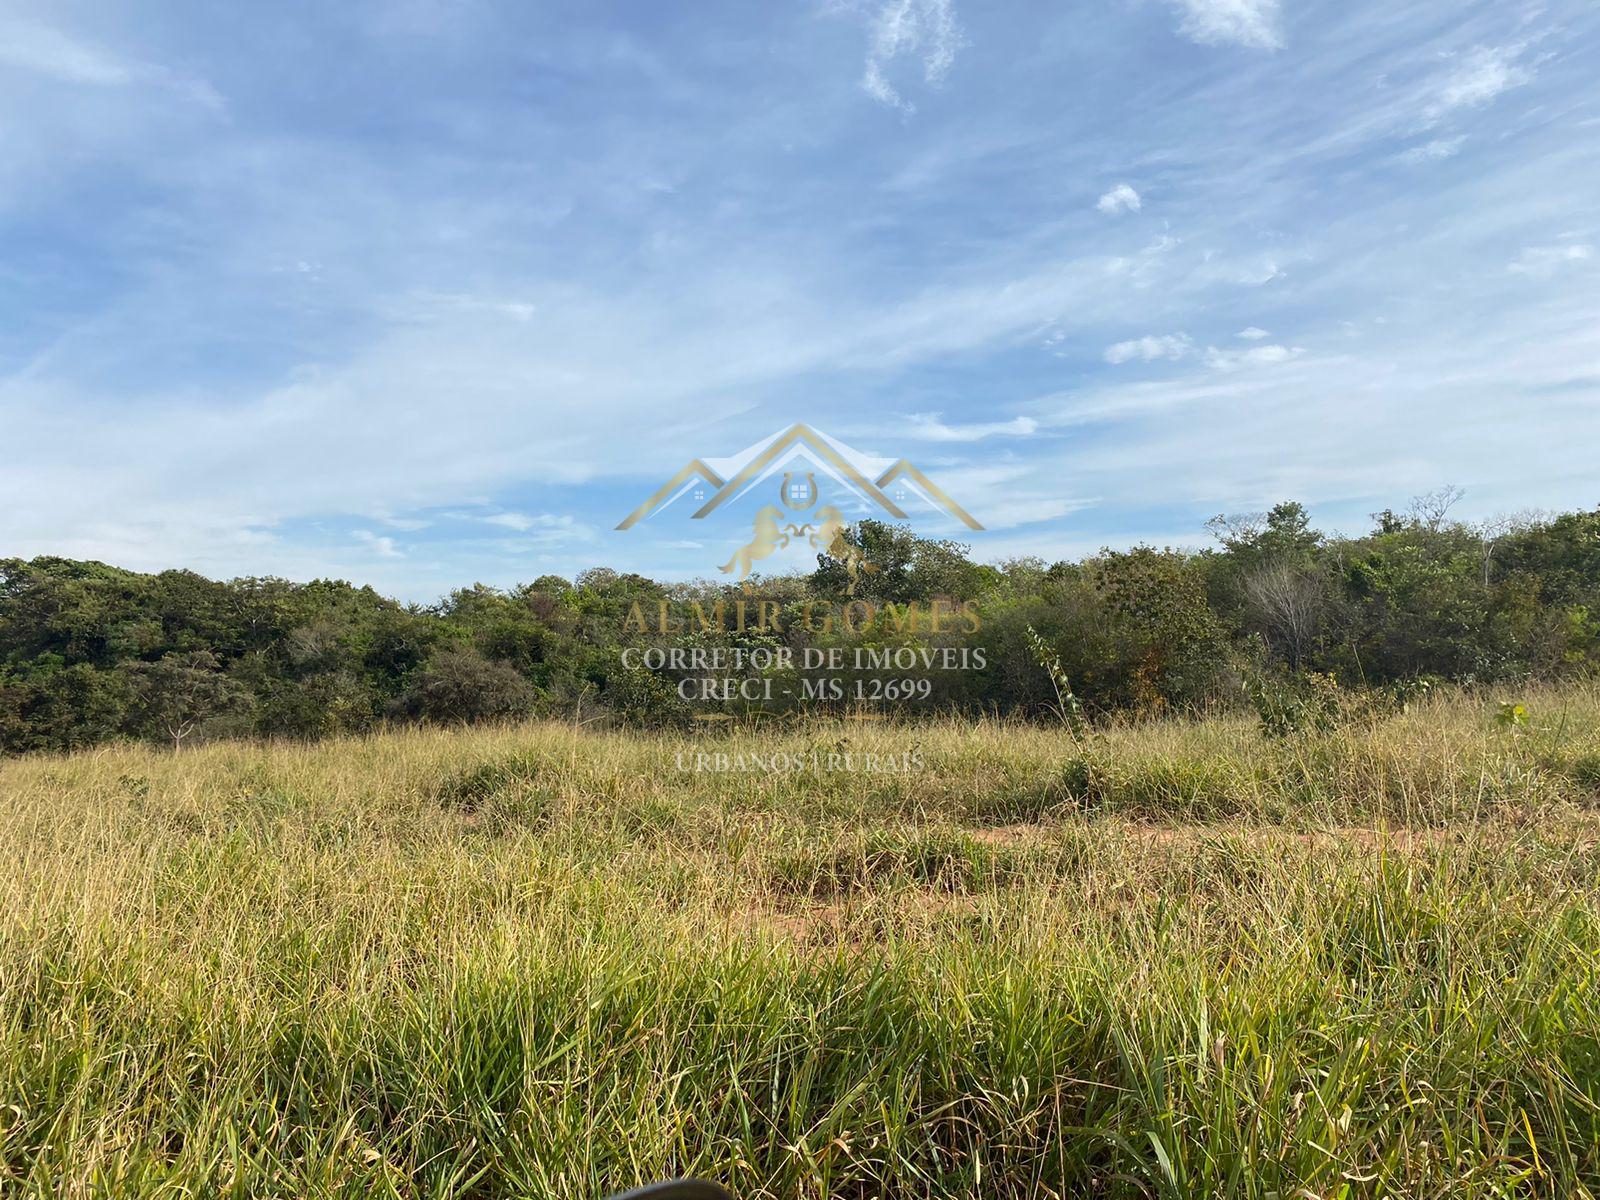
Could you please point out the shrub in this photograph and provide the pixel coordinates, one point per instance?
(458, 685)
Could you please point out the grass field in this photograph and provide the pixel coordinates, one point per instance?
(1178, 959)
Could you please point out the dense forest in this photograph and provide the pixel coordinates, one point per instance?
(90, 653)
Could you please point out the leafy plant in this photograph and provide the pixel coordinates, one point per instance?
(1305, 703)
(1067, 706)
(1511, 715)
(1406, 692)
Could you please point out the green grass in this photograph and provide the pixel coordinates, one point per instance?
(1176, 960)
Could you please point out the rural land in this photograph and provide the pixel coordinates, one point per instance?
(1271, 871)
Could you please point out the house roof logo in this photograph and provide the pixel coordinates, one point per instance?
(865, 478)
(863, 475)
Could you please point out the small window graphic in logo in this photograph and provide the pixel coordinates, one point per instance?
(801, 494)
(799, 455)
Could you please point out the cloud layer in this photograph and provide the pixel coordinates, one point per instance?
(276, 305)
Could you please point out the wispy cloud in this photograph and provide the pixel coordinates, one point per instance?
(1007, 494)
(383, 547)
(50, 52)
(1242, 439)
(1119, 199)
(1151, 347)
(924, 31)
(1434, 151)
(522, 522)
(1253, 334)
(47, 51)
(1255, 23)
(403, 524)
(1176, 347)
(1255, 356)
(1542, 262)
(929, 427)
(1476, 80)
(542, 529)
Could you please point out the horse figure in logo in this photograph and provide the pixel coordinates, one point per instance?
(768, 538)
(831, 539)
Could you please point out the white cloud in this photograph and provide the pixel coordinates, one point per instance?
(383, 547)
(1328, 430)
(1256, 356)
(541, 529)
(1175, 347)
(404, 524)
(1010, 510)
(1542, 262)
(1121, 198)
(1434, 151)
(1005, 494)
(1244, 22)
(928, 427)
(922, 29)
(1171, 346)
(45, 51)
(1477, 80)
(522, 522)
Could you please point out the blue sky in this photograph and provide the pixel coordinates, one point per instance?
(435, 291)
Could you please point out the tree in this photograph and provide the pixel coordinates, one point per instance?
(905, 567)
(90, 652)
(1163, 642)
(1284, 532)
(177, 694)
(1418, 608)
(1269, 578)
(1287, 603)
(1494, 530)
(1430, 509)
(891, 549)
(1234, 530)
(45, 706)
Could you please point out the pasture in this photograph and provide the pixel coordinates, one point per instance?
(1172, 959)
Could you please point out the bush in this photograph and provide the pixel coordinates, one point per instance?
(645, 699)
(458, 685)
(1291, 705)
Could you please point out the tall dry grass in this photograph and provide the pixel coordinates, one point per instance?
(1177, 959)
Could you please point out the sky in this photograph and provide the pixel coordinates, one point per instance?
(432, 292)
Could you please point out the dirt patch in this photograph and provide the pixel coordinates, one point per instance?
(1009, 835)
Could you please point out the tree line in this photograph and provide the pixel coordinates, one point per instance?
(91, 653)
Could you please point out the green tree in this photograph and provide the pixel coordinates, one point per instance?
(180, 693)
